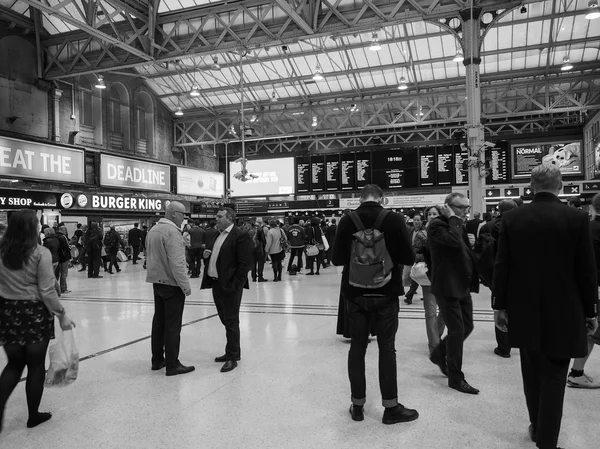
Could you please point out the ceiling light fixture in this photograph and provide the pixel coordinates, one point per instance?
(593, 10)
(375, 46)
(314, 122)
(178, 112)
(215, 65)
(458, 57)
(421, 111)
(273, 97)
(566, 64)
(195, 92)
(318, 76)
(402, 85)
(100, 83)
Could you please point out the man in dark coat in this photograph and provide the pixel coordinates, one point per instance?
(93, 245)
(473, 224)
(545, 290)
(228, 259)
(134, 238)
(453, 278)
(380, 304)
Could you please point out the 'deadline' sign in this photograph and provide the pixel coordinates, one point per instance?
(130, 173)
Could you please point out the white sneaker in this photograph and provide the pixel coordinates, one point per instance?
(584, 381)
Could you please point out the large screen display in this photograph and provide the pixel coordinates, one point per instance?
(348, 171)
(564, 155)
(332, 172)
(498, 164)
(200, 183)
(265, 177)
(302, 174)
(427, 166)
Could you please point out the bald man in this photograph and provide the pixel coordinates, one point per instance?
(167, 271)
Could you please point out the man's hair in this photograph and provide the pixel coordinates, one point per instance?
(506, 205)
(487, 216)
(78, 225)
(476, 215)
(211, 223)
(546, 179)
(452, 196)
(136, 225)
(229, 212)
(575, 202)
(333, 221)
(371, 190)
(273, 223)
(518, 201)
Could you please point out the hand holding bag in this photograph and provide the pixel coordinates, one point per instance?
(64, 361)
(418, 273)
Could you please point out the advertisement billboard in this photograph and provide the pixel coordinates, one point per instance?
(265, 177)
(564, 155)
(200, 183)
(127, 173)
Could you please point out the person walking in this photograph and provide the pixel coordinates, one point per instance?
(228, 259)
(380, 304)
(167, 272)
(134, 238)
(28, 304)
(83, 251)
(314, 236)
(296, 238)
(258, 253)
(274, 248)
(545, 296)
(93, 244)
(453, 278)
(330, 234)
(64, 259)
(416, 232)
(113, 242)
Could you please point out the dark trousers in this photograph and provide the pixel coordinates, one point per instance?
(228, 308)
(293, 253)
(502, 341)
(458, 314)
(113, 261)
(412, 290)
(195, 260)
(166, 324)
(136, 253)
(82, 257)
(382, 313)
(258, 264)
(544, 380)
(94, 261)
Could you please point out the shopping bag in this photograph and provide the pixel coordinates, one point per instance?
(418, 273)
(64, 361)
(74, 252)
(312, 250)
(121, 256)
(325, 243)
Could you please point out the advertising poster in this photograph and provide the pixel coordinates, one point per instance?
(200, 183)
(127, 173)
(564, 155)
(265, 177)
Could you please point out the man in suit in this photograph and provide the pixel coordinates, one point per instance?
(135, 240)
(545, 291)
(380, 305)
(453, 278)
(228, 258)
(473, 224)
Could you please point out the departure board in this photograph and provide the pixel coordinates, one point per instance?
(388, 168)
(302, 174)
(363, 169)
(332, 172)
(461, 159)
(427, 166)
(498, 163)
(348, 171)
(445, 165)
(317, 173)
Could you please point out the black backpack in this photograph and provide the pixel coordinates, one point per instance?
(485, 257)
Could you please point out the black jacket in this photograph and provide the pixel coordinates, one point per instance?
(472, 226)
(134, 237)
(51, 242)
(545, 277)
(453, 272)
(330, 233)
(396, 242)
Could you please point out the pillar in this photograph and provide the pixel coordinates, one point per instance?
(475, 134)
(56, 94)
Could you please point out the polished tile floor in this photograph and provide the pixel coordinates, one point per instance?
(289, 391)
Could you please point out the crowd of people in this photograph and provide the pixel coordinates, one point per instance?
(544, 296)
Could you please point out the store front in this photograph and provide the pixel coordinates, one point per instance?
(44, 203)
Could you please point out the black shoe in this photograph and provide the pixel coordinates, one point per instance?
(407, 301)
(159, 365)
(109, 272)
(180, 370)
(254, 280)
(505, 355)
(223, 358)
(399, 413)
(134, 263)
(118, 270)
(532, 433)
(463, 386)
(317, 273)
(357, 412)
(263, 280)
(229, 365)
(97, 277)
(310, 274)
(441, 364)
(83, 269)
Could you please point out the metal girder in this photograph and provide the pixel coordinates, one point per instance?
(230, 36)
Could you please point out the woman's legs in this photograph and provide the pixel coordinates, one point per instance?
(35, 355)
(432, 319)
(319, 260)
(11, 374)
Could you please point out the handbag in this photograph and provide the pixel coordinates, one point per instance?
(312, 250)
(418, 273)
(285, 246)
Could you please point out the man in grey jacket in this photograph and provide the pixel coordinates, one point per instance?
(167, 271)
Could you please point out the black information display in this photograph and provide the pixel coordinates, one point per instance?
(363, 169)
(302, 174)
(427, 166)
(317, 173)
(445, 165)
(332, 172)
(348, 171)
(498, 163)
(388, 168)
(461, 159)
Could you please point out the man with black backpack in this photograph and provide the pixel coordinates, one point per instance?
(372, 244)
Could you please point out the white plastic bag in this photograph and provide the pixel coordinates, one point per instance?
(121, 256)
(64, 361)
(418, 273)
(325, 243)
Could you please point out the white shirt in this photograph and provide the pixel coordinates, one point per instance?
(212, 264)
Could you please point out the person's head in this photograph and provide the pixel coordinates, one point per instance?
(575, 202)
(506, 205)
(431, 212)
(84, 227)
(487, 216)
(518, 201)
(112, 227)
(62, 230)
(459, 204)
(225, 218)
(417, 221)
(49, 231)
(301, 222)
(371, 192)
(94, 225)
(175, 212)
(20, 239)
(546, 179)
(314, 221)
(136, 225)
(78, 225)
(333, 221)
(273, 223)
(259, 220)
(595, 205)
(145, 228)
(212, 223)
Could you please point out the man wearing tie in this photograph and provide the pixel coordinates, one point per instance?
(228, 261)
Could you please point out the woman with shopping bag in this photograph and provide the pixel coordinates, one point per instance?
(28, 303)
